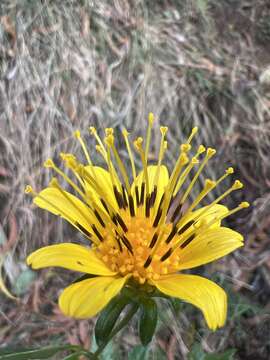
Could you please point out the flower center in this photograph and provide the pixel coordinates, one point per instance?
(135, 249)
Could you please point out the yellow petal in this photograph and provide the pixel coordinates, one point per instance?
(67, 206)
(209, 246)
(162, 181)
(209, 214)
(86, 298)
(69, 256)
(210, 298)
(104, 186)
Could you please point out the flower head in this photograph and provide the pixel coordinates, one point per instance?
(142, 226)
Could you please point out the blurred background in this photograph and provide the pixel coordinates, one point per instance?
(67, 65)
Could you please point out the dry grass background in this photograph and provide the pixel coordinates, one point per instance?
(66, 65)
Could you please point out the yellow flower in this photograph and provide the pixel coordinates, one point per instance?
(145, 230)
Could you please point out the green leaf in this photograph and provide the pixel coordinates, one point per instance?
(227, 355)
(37, 354)
(24, 281)
(111, 352)
(138, 353)
(197, 353)
(108, 318)
(176, 304)
(148, 320)
(77, 355)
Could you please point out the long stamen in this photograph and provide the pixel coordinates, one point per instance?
(114, 177)
(72, 164)
(93, 131)
(236, 186)
(138, 147)
(110, 142)
(193, 133)
(151, 119)
(162, 148)
(50, 164)
(242, 205)
(210, 153)
(77, 134)
(130, 154)
(209, 186)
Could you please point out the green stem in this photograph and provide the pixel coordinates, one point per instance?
(128, 316)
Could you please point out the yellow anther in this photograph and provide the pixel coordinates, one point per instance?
(138, 143)
(69, 159)
(125, 132)
(193, 132)
(244, 205)
(183, 160)
(237, 185)
(151, 118)
(156, 276)
(92, 130)
(210, 152)
(142, 280)
(49, 163)
(28, 189)
(185, 147)
(201, 149)
(99, 149)
(194, 161)
(77, 134)
(109, 131)
(229, 171)
(63, 156)
(163, 130)
(209, 184)
(109, 140)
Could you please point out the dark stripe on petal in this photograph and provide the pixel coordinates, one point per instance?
(153, 196)
(153, 241)
(104, 205)
(185, 227)
(127, 244)
(99, 218)
(131, 205)
(124, 193)
(137, 195)
(176, 212)
(142, 193)
(185, 243)
(166, 255)
(171, 236)
(159, 212)
(147, 206)
(148, 262)
(121, 222)
(119, 243)
(83, 229)
(118, 197)
(97, 232)
(157, 218)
